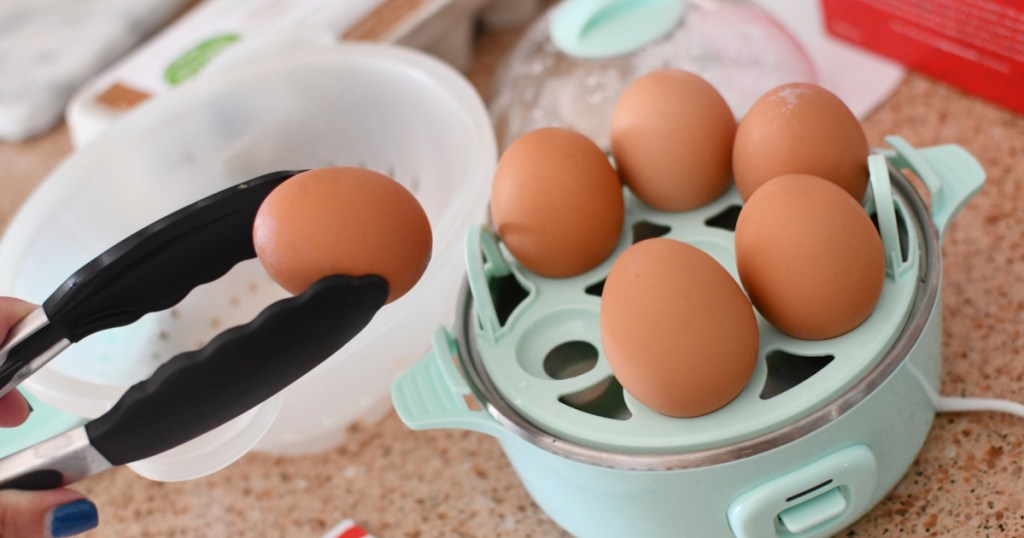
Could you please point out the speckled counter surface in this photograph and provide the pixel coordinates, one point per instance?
(967, 480)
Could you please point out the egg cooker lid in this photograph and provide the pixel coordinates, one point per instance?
(531, 345)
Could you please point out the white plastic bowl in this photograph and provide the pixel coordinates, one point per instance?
(390, 109)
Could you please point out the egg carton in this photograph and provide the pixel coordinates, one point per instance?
(49, 47)
(182, 50)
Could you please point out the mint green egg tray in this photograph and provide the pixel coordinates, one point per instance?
(546, 360)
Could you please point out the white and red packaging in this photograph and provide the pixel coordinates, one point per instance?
(975, 45)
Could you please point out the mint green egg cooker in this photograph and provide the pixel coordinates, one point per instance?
(804, 461)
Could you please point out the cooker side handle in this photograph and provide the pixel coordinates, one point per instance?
(951, 174)
(434, 395)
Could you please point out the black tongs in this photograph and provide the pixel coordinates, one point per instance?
(196, 391)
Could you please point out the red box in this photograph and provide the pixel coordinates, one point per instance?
(975, 45)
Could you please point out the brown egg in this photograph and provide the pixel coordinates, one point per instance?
(557, 203)
(677, 330)
(342, 221)
(800, 128)
(672, 136)
(809, 257)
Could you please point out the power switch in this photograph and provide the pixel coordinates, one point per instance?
(813, 511)
(815, 500)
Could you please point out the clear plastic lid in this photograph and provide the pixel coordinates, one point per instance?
(549, 80)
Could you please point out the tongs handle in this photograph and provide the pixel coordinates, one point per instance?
(197, 391)
(156, 267)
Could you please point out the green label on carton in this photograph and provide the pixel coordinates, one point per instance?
(195, 59)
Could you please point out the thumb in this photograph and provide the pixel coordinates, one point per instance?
(45, 514)
(11, 311)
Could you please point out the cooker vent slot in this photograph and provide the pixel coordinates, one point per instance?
(808, 490)
(604, 399)
(726, 219)
(507, 294)
(570, 359)
(646, 229)
(787, 370)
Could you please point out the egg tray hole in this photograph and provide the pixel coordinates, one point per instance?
(725, 219)
(577, 357)
(570, 359)
(507, 293)
(787, 370)
(605, 399)
(596, 289)
(646, 229)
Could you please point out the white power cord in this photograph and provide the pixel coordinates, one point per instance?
(957, 404)
(964, 404)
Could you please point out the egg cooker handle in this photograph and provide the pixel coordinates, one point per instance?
(951, 174)
(433, 394)
(604, 28)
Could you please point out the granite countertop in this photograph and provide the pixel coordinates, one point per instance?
(398, 483)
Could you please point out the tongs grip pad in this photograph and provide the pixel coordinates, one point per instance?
(199, 390)
(156, 267)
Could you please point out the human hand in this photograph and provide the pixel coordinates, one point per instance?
(36, 514)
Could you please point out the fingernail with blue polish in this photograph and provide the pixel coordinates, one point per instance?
(73, 518)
